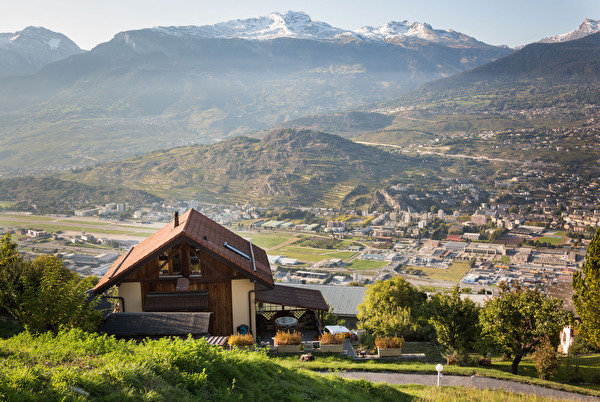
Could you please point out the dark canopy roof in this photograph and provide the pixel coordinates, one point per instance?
(293, 297)
(156, 324)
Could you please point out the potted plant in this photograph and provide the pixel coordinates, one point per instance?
(287, 342)
(389, 346)
(331, 343)
(245, 341)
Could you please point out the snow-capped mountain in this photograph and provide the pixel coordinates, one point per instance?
(300, 26)
(24, 52)
(398, 31)
(151, 88)
(587, 27)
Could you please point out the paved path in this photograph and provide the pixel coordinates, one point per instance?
(472, 382)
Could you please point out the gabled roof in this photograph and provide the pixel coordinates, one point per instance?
(201, 232)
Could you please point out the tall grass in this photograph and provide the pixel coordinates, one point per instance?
(78, 366)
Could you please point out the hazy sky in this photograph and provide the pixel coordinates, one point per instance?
(500, 22)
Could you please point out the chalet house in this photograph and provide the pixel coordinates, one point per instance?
(192, 270)
(196, 277)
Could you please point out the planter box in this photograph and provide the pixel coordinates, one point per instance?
(288, 348)
(389, 352)
(245, 347)
(329, 348)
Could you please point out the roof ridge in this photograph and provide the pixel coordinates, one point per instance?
(186, 223)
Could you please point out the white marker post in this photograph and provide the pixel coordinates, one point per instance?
(439, 369)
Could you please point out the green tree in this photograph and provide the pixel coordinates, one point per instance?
(456, 320)
(8, 251)
(519, 319)
(586, 285)
(390, 307)
(44, 295)
(58, 299)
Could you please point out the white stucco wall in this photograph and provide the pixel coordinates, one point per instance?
(131, 292)
(239, 303)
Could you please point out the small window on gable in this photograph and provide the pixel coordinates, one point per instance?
(163, 262)
(170, 263)
(195, 264)
(176, 264)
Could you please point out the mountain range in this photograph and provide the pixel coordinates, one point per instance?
(165, 87)
(539, 75)
(26, 51)
(169, 86)
(298, 25)
(587, 27)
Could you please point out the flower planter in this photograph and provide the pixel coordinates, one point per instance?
(243, 347)
(331, 348)
(288, 348)
(389, 352)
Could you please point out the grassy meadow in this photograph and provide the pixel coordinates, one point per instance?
(72, 365)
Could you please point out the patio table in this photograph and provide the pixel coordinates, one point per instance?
(286, 321)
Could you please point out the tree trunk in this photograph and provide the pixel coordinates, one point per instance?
(515, 363)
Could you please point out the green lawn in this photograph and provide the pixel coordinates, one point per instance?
(366, 265)
(499, 369)
(551, 239)
(267, 240)
(453, 274)
(308, 254)
(62, 366)
(504, 259)
(79, 222)
(588, 371)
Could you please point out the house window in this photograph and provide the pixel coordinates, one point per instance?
(170, 263)
(195, 264)
(176, 264)
(180, 261)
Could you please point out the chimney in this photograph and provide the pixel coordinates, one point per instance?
(175, 219)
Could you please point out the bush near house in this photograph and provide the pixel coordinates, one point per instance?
(546, 360)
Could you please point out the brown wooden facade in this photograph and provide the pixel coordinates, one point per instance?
(192, 265)
(204, 272)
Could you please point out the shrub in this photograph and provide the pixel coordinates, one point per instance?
(546, 360)
(287, 338)
(367, 341)
(457, 358)
(240, 340)
(389, 342)
(331, 339)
